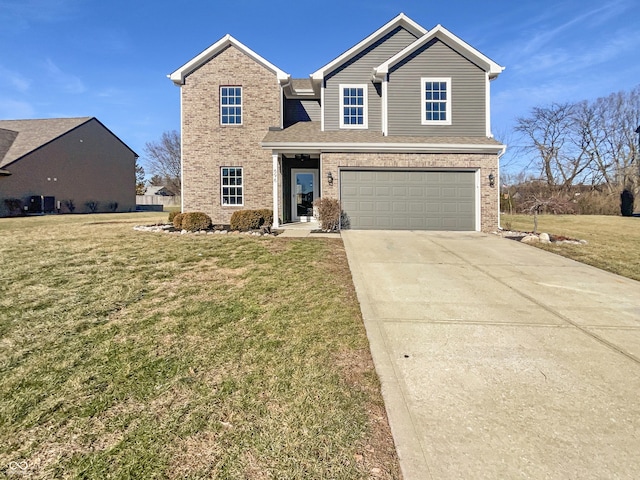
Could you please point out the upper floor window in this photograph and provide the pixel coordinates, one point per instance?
(353, 105)
(436, 101)
(232, 188)
(231, 105)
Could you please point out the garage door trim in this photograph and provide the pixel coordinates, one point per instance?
(458, 221)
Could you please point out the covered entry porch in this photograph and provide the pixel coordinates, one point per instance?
(296, 185)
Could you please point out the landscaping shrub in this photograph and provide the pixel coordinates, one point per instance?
(14, 205)
(113, 206)
(92, 205)
(70, 204)
(194, 221)
(245, 220)
(177, 220)
(329, 211)
(267, 217)
(597, 203)
(172, 216)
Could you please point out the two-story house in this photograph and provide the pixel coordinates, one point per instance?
(397, 128)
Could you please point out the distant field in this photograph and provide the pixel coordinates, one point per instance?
(139, 355)
(613, 241)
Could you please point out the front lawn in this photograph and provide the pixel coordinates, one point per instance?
(613, 242)
(145, 355)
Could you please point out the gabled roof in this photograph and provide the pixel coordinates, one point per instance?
(179, 75)
(28, 135)
(449, 39)
(21, 137)
(400, 21)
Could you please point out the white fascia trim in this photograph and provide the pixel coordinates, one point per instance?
(400, 21)
(382, 147)
(450, 39)
(179, 75)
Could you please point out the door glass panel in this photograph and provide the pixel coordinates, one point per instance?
(304, 194)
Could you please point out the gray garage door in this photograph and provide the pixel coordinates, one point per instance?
(409, 200)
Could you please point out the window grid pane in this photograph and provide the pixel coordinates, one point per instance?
(353, 101)
(231, 105)
(435, 101)
(231, 182)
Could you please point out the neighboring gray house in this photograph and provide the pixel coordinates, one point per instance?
(50, 165)
(397, 128)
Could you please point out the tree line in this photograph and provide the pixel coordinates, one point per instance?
(585, 143)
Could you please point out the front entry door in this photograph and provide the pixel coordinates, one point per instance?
(304, 188)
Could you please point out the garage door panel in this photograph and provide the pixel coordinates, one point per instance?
(388, 199)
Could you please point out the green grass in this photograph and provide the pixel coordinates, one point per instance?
(613, 241)
(130, 354)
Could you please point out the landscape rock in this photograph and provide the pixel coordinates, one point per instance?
(530, 239)
(544, 238)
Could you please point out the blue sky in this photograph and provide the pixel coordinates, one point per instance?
(110, 58)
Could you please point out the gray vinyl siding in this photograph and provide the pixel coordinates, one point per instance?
(359, 70)
(301, 111)
(468, 93)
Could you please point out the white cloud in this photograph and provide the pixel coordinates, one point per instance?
(13, 109)
(70, 83)
(14, 79)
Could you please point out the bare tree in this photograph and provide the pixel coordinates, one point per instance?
(549, 132)
(163, 158)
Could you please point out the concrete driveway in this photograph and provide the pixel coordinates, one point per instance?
(498, 360)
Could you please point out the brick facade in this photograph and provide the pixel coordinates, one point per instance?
(207, 145)
(485, 163)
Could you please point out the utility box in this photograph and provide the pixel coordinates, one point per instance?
(35, 204)
(41, 204)
(49, 204)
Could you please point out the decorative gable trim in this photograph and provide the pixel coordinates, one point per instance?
(181, 73)
(400, 21)
(444, 35)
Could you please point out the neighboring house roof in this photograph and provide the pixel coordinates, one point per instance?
(181, 73)
(448, 38)
(21, 137)
(399, 21)
(308, 135)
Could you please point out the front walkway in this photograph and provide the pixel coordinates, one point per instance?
(500, 360)
(304, 229)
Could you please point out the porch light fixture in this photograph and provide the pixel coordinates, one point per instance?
(492, 180)
(330, 178)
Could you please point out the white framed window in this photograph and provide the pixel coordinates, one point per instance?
(353, 106)
(231, 105)
(232, 186)
(436, 101)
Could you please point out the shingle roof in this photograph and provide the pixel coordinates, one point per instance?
(309, 134)
(20, 137)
